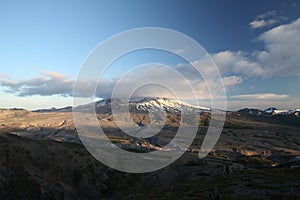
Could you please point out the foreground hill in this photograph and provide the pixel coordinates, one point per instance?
(49, 170)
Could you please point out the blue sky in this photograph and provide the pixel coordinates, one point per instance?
(255, 43)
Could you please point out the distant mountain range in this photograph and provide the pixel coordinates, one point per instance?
(268, 112)
(161, 104)
(271, 115)
(64, 109)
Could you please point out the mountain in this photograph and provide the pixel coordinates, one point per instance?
(272, 115)
(250, 111)
(64, 109)
(275, 111)
(144, 105)
(268, 112)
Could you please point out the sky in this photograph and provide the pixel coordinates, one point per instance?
(255, 44)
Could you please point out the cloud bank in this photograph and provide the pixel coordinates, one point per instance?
(49, 83)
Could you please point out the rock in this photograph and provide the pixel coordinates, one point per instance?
(60, 134)
(33, 129)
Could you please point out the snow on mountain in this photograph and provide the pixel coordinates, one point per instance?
(163, 103)
(283, 112)
(275, 111)
(148, 105)
(268, 112)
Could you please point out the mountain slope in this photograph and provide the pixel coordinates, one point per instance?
(144, 105)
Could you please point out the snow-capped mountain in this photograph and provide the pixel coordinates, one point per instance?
(275, 111)
(268, 112)
(272, 115)
(143, 105)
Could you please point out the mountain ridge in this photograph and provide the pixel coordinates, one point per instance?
(159, 104)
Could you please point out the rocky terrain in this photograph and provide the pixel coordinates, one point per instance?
(42, 158)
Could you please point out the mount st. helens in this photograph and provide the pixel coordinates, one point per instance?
(144, 105)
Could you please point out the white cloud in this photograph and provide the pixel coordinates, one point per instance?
(49, 83)
(266, 19)
(280, 56)
(232, 80)
(172, 81)
(228, 62)
(282, 50)
(259, 23)
(239, 63)
(262, 96)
